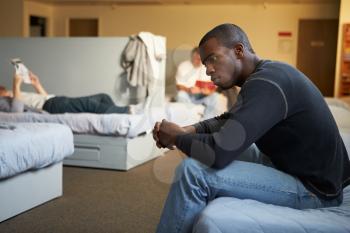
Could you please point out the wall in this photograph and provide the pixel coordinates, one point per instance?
(344, 17)
(38, 9)
(183, 25)
(76, 67)
(11, 18)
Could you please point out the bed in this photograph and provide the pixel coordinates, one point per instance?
(113, 141)
(129, 142)
(231, 215)
(31, 164)
(85, 66)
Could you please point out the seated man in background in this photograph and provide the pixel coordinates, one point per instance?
(18, 101)
(194, 86)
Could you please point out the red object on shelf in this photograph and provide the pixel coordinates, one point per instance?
(204, 84)
(285, 34)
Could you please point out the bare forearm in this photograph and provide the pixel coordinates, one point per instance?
(40, 90)
(16, 89)
(37, 84)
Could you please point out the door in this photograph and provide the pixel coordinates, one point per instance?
(83, 27)
(317, 48)
(37, 26)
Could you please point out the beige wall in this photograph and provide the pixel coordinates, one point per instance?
(183, 25)
(11, 18)
(37, 9)
(344, 17)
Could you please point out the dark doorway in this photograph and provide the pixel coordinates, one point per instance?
(317, 48)
(37, 26)
(83, 27)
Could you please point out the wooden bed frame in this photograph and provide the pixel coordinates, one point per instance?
(29, 189)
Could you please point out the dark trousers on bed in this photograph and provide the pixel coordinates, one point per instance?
(100, 104)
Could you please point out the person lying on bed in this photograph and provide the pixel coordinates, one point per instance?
(18, 101)
(279, 144)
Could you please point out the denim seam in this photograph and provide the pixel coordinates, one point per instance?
(208, 191)
(181, 220)
(260, 187)
(196, 176)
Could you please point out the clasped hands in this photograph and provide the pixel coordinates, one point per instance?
(165, 132)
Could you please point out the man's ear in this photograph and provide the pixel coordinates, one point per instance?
(239, 50)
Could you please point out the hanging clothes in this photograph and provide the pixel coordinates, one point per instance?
(141, 60)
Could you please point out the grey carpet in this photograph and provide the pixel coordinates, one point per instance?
(103, 201)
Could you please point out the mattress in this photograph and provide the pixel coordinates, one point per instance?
(26, 146)
(126, 125)
(230, 215)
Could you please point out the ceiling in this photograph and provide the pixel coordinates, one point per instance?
(195, 2)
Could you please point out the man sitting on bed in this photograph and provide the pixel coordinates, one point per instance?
(279, 144)
(18, 101)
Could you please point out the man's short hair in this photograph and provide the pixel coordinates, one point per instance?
(228, 35)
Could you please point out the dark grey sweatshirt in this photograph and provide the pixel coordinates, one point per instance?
(281, 111)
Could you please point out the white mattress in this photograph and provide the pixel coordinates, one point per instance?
(25, 146)
(114, 124)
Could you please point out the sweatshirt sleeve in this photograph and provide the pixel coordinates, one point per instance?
(262, 105)
(211, 125)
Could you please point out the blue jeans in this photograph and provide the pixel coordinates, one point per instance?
(211, 102)
(99, 103)
(254, 178)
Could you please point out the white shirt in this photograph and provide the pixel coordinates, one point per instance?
(34, 100)
(187, 74)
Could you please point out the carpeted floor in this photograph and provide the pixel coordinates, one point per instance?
(103, 201)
